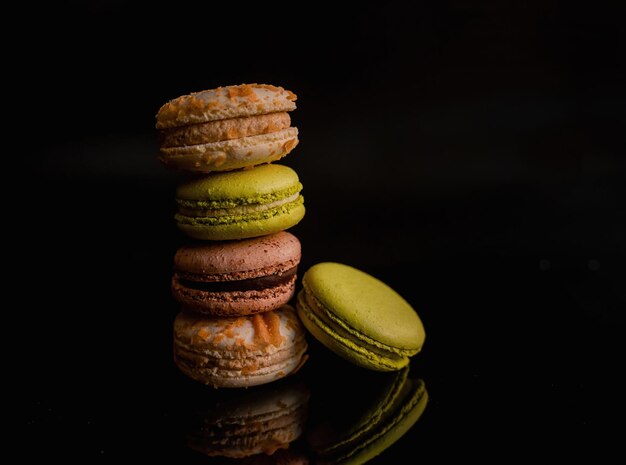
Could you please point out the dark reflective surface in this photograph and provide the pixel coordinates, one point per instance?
(516, 350)
(469, 154)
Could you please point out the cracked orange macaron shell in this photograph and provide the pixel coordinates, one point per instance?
(226, 128)
(239, 352)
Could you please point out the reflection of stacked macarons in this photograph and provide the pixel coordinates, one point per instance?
(259, 421)
(233, 282)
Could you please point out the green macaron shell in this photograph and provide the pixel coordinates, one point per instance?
(344, 345)
(359, 317)
(260, 190)
(256, 185)
(244, 226)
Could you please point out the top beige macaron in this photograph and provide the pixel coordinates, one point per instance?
(227, 128)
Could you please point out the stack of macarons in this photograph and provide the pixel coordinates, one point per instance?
(237, 272)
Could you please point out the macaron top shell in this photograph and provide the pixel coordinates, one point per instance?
(243, 259)
(363, 304)
(224, 102)
(256, 185)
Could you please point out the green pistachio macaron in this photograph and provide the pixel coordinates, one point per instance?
(359, 317)
(240, 204)
(355, 429)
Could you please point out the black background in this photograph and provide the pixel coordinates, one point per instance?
(470, 154)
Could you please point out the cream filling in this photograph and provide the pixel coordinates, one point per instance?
(234, 211)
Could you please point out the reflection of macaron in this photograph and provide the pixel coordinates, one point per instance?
(354, 434)
(240, 204)
(290, 456)
(239, 352)
(359, 317)
(261, 420)
(237, 277)
(227, 128)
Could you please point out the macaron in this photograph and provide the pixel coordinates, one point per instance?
(227, 128)
(351, 430)
(239, 352)
(240, 204)
(258, 421)
(232, 278)
(359, 317)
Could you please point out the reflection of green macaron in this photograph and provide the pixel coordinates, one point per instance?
(359, 317)
(240, 204)
(383, 419)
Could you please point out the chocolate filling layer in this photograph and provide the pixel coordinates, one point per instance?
(253, 284)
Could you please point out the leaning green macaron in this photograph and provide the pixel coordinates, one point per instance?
(240, 204)
(359, 317)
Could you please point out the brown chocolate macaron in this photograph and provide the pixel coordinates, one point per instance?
(237, 277)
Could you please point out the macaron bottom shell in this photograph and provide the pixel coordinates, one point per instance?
(231, 154)
(244, 226)
(224, 376)
(233, 303)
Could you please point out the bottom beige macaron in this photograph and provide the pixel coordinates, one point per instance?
(239, 352)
